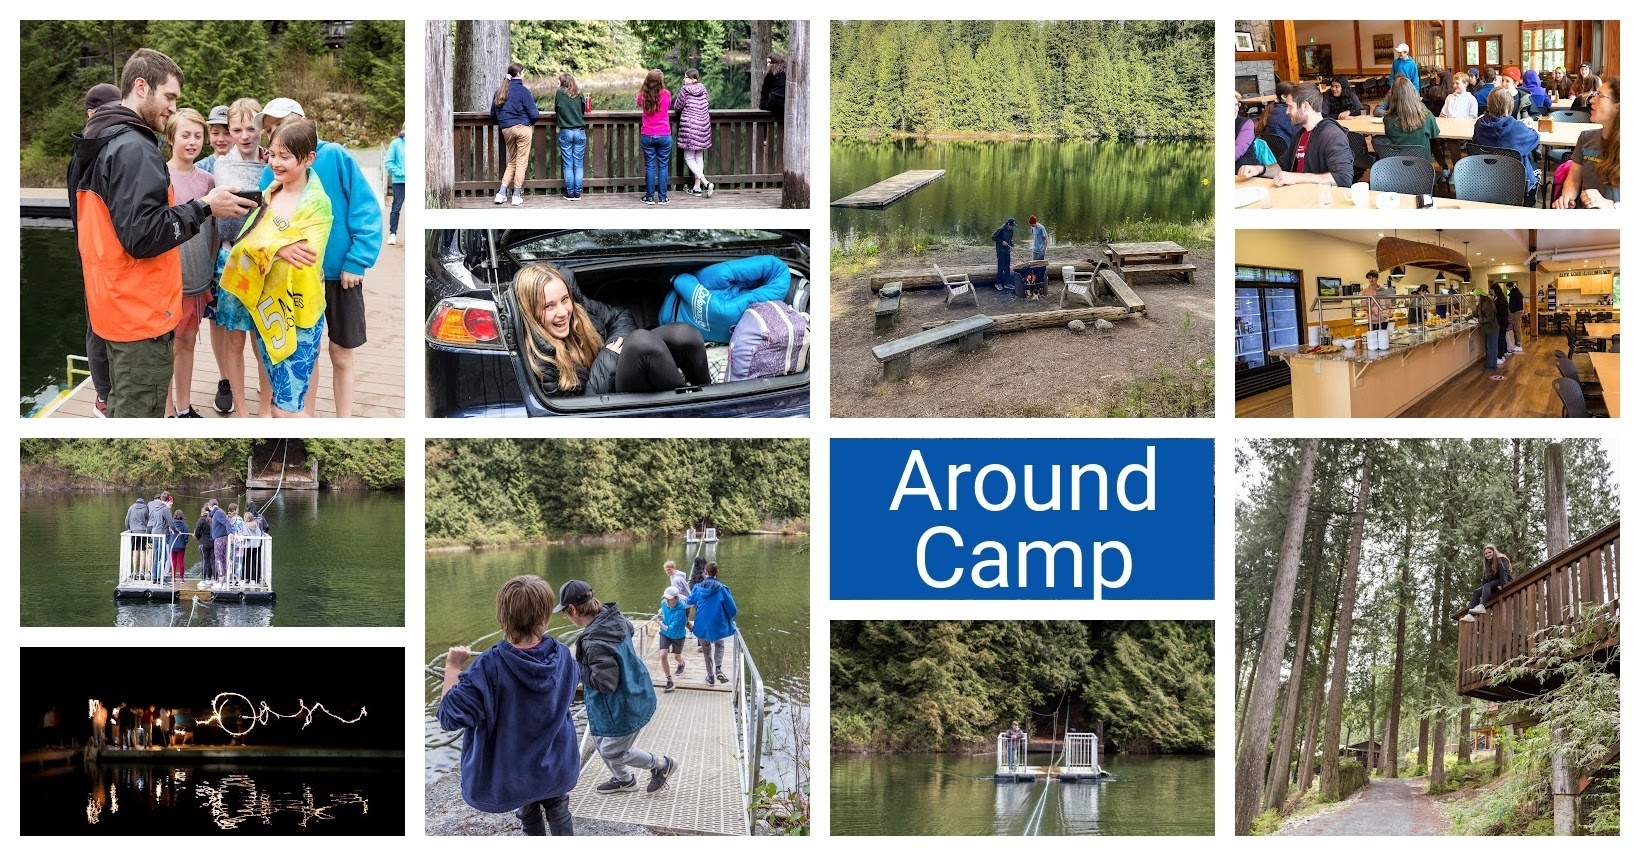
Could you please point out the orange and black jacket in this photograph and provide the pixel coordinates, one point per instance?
(126, 228)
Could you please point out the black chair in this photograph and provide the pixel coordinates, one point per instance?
(1278, 146)
(1572, 403)
(1616, 347)
(1570, 115)
(1383, 148)
(1403, 175)
(1559, 354)
(1363, 158)
(1576, 344)
(1490, 178)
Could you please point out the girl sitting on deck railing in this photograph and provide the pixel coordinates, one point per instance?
(1495, 574)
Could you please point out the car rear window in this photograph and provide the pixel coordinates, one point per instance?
(594, 242)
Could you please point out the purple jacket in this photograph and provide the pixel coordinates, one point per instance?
(694, 118)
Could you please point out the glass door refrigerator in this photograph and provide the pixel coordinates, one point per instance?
(1269, 314)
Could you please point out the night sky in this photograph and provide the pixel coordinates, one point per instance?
(342, 680)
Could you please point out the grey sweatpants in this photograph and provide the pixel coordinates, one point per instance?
(620, 756)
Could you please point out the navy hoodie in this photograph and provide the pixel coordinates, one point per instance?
(1505, 132)
(520, 745)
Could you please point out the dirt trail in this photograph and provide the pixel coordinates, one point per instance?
(1383, 807)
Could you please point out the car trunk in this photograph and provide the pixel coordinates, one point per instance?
(640, 286)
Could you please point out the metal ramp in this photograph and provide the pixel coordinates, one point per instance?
(695, 726)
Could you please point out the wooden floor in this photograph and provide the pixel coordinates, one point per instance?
(765, 197)
(1525, 390)
(890, 190)
(378, 365)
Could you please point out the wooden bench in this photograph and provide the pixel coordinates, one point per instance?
(1183, 270)
(1115, 287)
(896, 355)
(888, 307)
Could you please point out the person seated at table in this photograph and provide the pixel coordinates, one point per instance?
(1563, 83)
(1440, 86)
(1278, 119)
(1460, 104)
(1320, 155)
(1483, 84)
(1246, 132)
(1498, 129)
(1592, 177)
(1584, 88)
(1341, 102)
(1520, 103)
(1406, 122)
(1532, 85)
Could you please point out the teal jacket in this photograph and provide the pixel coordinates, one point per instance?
(394, 162)
(619, 697)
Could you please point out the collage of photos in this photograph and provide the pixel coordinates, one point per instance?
(1020, 555)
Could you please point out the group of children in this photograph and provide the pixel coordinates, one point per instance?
(519, 752)
(228, 541)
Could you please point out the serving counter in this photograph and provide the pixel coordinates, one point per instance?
(1362, 383)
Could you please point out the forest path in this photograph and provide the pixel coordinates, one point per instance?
(1383, 807)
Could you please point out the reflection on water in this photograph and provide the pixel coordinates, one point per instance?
(191, 613)
(141, 799)
(921, 794)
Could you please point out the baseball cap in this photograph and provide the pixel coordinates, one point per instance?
(1583, 65)
(671, 591)
(1402, 48)
(572, 593)
(102, 93)
(279, 108)
(219, 115)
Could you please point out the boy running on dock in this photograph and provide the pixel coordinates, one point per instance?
(619, 697)
(519, 753)
(674, 626)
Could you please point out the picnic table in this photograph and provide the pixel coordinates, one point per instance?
(1129, 260)
(1607, 369)
(1308, 196)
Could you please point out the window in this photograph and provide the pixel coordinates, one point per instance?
(1543, 44)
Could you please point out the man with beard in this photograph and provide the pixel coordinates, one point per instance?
(128, 232)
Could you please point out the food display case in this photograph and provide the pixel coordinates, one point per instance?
(1346, 317)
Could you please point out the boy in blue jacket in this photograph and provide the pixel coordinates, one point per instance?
(674, 627)
(715, 612)
(519, 753)
(619, 697)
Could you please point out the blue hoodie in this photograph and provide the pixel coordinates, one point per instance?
(178, 538)
(675, 619)
(520, 745)
(715, 610)
(356, 224)
(1509, 133)
(221, 527)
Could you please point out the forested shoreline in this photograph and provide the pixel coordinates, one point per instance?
(50, 464)
(950, 686)
(1065, 79)
(1354, 561)
(509, 492)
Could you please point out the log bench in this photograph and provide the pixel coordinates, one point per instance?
(896, 355)
(1184, 271)
(1113, 286)
(888, 307)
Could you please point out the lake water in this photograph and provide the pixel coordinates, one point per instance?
(1078, 189)
(769, 575)
(928, 794)
(212, 800)
(338, 561)
(53, 311)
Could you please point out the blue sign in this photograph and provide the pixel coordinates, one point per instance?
(1022, 519)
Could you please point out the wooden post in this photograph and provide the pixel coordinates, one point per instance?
(1557, 529)
(1437, 767)
(439, 113)
(1286, 51)
(1563, 784)
(794, 138)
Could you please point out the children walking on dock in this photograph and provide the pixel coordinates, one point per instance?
(674, 626)
(519, 753)
(619, 697)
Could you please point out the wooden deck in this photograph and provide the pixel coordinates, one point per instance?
(890, 190)
(378, 365)
(1582, 580)
(676, 199)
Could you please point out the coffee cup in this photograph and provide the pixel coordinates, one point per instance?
(1360, 194)
(1389, 200)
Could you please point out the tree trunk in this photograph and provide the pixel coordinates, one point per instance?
(1437, 768)
(1557, 528)
(1463, 735)
(1423, 742)
(1372, 713)
(1563, 785)
(483, 51)
(1392, 728)
(1253, 747)
(1246, 697)
(1341, 659)
(1497, 750)
(762, 37)
(439, 142)
(794, 139)
(1275, 788)
(1307, 761)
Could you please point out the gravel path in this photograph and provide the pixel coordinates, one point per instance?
(1383, 807)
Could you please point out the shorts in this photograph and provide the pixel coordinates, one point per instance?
(667, 643)
(194, 307)
(231, 313)
(290, 378)
(344, 312)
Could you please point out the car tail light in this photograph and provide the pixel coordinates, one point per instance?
(466, 322)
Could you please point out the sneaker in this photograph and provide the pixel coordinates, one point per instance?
(680, 668)
(657, 777)
(190, 413)
(224, 396)
(669, 686)
(616, 786)
(518, 199)
(392, 238)
(722, 679)
(1477, 610)
(100, 409)
(663, 200)
(709, 188)
(695, 191)
(501, 196)
(649, 200)
(708, 678)
(1468, 618)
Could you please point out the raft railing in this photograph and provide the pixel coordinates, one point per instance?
(134, 568)
(250, 559)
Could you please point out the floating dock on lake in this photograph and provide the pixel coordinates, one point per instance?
(1078, 763)
(192, 754)
(890, 190)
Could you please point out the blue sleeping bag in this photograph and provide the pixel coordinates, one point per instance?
(713, 298)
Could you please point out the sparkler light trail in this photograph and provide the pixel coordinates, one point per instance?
(264, 714)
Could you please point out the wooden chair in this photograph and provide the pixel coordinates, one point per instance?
(956, 286)
(1077, 285)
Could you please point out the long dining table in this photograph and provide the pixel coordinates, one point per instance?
(1607, 369)
(1304, 196)
(1563, 135)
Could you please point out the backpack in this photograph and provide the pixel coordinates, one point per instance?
(770, 340)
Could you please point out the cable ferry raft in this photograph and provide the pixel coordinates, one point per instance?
(146, 571)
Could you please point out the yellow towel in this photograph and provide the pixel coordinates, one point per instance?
(281, 297)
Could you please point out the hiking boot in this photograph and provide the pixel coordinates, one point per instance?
(658, 776)
(722, 679)
(100, 409)
(190, 413)
(669, 686)
(224, 396)
(501, 196)
(616, 786)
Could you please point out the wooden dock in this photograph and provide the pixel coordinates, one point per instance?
(890, 190)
